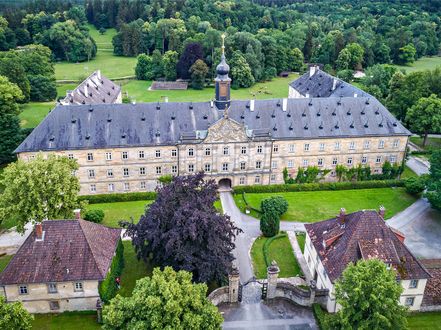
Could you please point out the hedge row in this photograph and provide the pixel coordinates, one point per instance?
(109, 288)
(248, 204)
(421, 152)
(126, 197)
(321, 317)
(318, 186)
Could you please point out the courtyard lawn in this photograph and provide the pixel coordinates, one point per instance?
(425, 321)
(312, 206)
(424, 63)
(279, 250)
(408, 173)
(276, 88)
(301, 240)
(432, 143)
(4, 261)
(66, 321)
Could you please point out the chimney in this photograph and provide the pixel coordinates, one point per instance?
(355, 94)
(341, 216)
(284, 104)
(334, 84)
(85, 90)
(98, 74)
(77, 213)
(38, 231)
(307, 95)
(382, 211)
(251, 105)
(312, 70)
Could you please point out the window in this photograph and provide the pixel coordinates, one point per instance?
(54, 305)
(273, 164)
(174, 169)
(142, 171)
(226, 151)
(78, 286)
(225, 167)
(23, 289)
(381, 144)
(259, 149)
(291, 148)
(395, 144)
(110, 173)
(393, 159)
(141, 154)
(352, 145)
(378, 160)
(366, 144)
(242, 180)
(52, 288)
(321, 146)
(258, 164)
(243, 150)
(125, 172)
(337, 145)
(111, 187)
(125, 155)
(207, 167)
(364, 160)
(349, 161)
(409, 301)
(191, 152)
(305, 163)
(158, 153)
(257, 179)
(126, 186)
(142, 185)
(70, 156)
(91, 174)
(306, 147)
(174, 153)
(108, 156)
(92, 188)
(273, 177)
(320, 162)
(334, 161)
(242, 165)
(413, 284)
(190, 167)
(89, 156)
(290, 164)
(158, 170)
(207, 151)
(275, 148)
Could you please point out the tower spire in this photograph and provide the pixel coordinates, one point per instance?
(222, 81)
(223, 44)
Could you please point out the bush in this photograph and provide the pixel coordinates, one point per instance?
(108, 288)
(111, 198)
(272, 208)
(269, 224)
(321, 317)
(318, 186)
(414, 185)
(96, 216)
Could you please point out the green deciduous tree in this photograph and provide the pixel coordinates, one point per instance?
(369, 295)
(425, 116)
(295, 58)
(169, 61)
(39, 189)
(240, 71)
(199, 71)
(144, 68)
(407, 54)
(434, 181)
(167, 300)
(13, 316)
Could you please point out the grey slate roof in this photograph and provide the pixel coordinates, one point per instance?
(95, 89)
(322, 84)
(143, 124)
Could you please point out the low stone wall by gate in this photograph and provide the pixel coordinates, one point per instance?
(219, 296)
(299, 295)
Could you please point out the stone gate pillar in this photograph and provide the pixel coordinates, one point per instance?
(312, 288)
(272, 275)
(233, 285)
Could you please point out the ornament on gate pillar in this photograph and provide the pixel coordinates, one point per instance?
(272, 275)
(233, 285)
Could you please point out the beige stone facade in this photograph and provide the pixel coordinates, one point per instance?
(226, 152)
(54, 297)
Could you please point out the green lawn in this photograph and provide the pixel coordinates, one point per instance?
(279, 250)
(424, 63)
(432, 143)
(425, 321)
(311, 206)
(4, 260)
(301, 240)
(408, 173)
(66, 321)
(34, 112)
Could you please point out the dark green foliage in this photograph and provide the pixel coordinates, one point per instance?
(434, 180)
(96, 216)
(272, 209)
(199, 71)
(322, 318)
(415, 185)
(144, 68)
(192, 52)
(10, 137)
(42, 88)
(109, 287)
(112, 198)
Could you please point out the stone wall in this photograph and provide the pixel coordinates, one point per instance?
(299, 295)
(219, 296)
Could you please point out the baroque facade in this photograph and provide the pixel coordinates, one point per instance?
(127, 147)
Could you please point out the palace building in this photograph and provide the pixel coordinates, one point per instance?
(127, 147)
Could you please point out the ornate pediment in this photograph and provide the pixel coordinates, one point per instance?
(226, 130)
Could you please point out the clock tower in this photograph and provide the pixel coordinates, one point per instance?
(222, 81)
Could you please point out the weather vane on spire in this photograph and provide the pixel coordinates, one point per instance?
(223, 43)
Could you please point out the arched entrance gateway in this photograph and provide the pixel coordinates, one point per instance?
(224, 184)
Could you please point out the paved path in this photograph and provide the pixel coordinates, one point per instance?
(10, 240)
(299, 256)
(418, 165)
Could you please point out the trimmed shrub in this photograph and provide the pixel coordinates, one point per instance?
(272, 208)
(421, 152)
(269, 224)
(111, 198)
(108, 288)
(96, 216)
(318, 186)
(415, 186)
